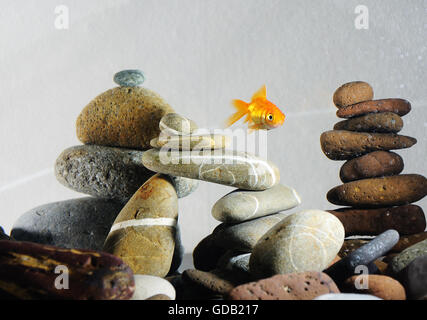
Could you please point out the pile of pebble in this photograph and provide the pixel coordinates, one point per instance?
(376, 195)
(139, 157)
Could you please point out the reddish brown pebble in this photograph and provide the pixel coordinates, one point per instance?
(33, 271)
(345, 145)
(382, 266)
(378, 285)
(352, 92)
(387, 122)
(398, 106)
(380, 192)
(408, 219)
(371, 165)
(407, 241)
(291, 286)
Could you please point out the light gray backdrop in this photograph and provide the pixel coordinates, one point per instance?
(200, 54)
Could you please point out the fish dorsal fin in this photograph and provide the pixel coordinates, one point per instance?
(261, 93)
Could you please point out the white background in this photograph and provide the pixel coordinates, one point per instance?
(198, 55)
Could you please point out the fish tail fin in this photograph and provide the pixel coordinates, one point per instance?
(242, 109)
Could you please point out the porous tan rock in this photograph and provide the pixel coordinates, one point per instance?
(345, 145)
(380, 286)
(399, 106)
(371, 165)
(353, 92)
(143, 234)
(380, 192)
(122, 117)
(372, 122)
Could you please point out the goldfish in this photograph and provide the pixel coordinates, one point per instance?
(261, 114)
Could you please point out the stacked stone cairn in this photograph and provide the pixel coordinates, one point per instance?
(377, 196)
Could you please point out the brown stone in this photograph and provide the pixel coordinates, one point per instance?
(345, 145)
(378, 285)
(381, 265)
(408, 219)
(351, 245)
(371, 165)
(143, 234)
(386, 122)
(122, 117)
(291, 286)
(216, 281)
(380, 192)
(408, 241)
(29, 271)
(398, 106)
(353, 92)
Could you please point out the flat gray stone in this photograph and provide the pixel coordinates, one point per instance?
(109, 173)
(232, 168)
(129, 78)
(403, 259)
(239, 205)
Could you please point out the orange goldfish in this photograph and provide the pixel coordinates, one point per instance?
(260, 113)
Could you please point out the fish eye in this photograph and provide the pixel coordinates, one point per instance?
(270, 117)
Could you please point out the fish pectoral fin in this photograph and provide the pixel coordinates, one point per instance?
(248, 118)
(261, 93)
(242, 109)
(255, 127)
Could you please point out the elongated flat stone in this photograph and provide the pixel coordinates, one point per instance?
(143, 234)
(403, 259)
(380, 192)
(175, 124)
(345, 145)
(238, 205)
(386, 122)
(243, 236)
(237, 169)
(406, 220)
(398, 106)
(191, 142)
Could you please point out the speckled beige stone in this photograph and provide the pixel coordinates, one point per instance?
(175, 124)
(304, 241)
(147, 244)
(232, 168)
(122, 117)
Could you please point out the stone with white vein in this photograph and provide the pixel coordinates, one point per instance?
(232, 168)
(240, 205)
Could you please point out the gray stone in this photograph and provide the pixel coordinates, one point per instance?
(363, 256)
(232, 168)
(414, 279)
(129, 78)
(305, 241)
(175, 124)
(403, 259)
(3, 236)
(234, 260)
(107, 172)
(239, 205)
(244, 236)
(81, 223)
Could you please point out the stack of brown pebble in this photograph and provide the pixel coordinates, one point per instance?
(378, 197)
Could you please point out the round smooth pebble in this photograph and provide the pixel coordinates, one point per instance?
(380, 192)
(403, 259)
(232, 168)
(353, 92)
(147, 286)
(293, 286)
(380, 286)
(346, 145)
(365, 255)
(347, 296)
(239, 205)
(372, 165)
(122, 117)
(406, 220)
(78, 223)
(414, 278)
(385, 122)
(244, 236)
(129, 78)
(143, 234)
(175, 124)
(399, 106)
(304, 241)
